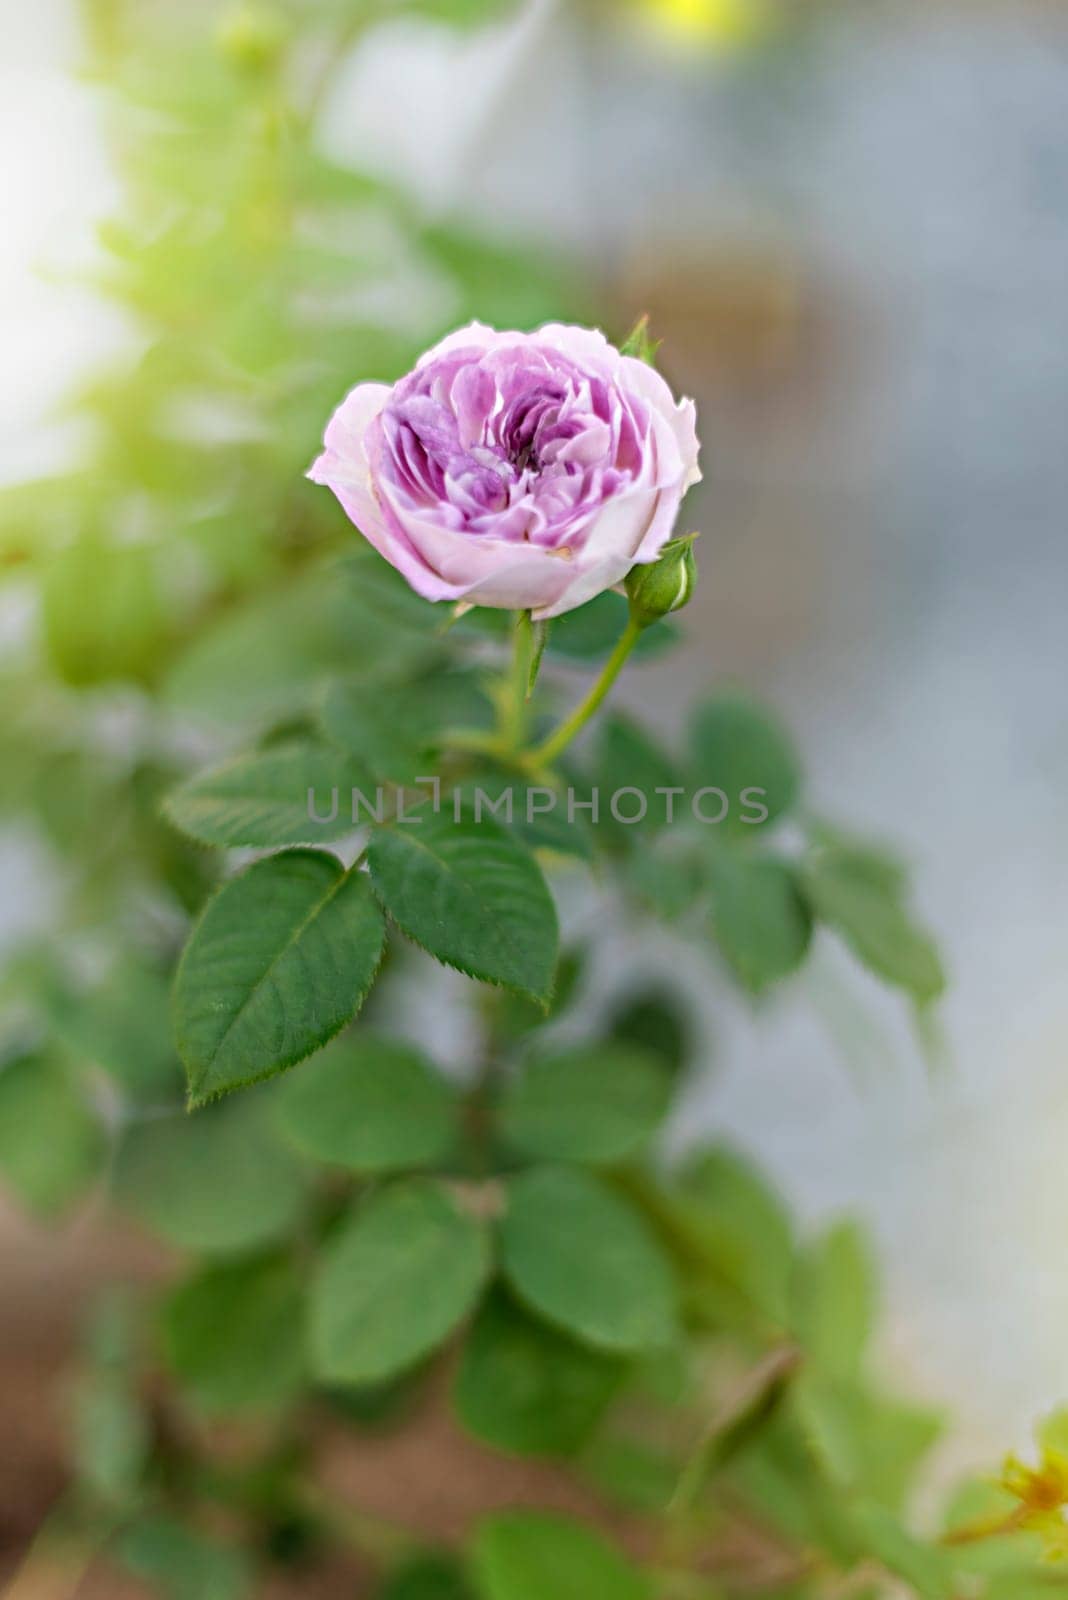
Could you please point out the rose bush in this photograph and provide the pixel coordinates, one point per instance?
(528, 471)
(502, 1210)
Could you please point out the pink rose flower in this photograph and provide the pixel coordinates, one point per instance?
(517, 470)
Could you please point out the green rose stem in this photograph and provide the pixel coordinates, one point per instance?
(506, 742)
(517, 692)
(543, 755)
(675, 569)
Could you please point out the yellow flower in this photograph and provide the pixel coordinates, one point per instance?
(1041, 1488)
(727, 24)
(1042, 1491)
(1040, 1494)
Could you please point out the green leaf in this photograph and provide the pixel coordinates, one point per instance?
(737, 746)
(276, 654)
(472, 896)
(923, 1566)
(51, 1144)
(427, 1578)
(509, 287)
(593, 1103)
(530, 1555)
(654, 1021)
(462, 13)
(386, 730)
(233, 1335)
(627, 759)
(101, 610)
(778, 1477)
(539, 825)
(665, 882)
(393, 731)
(1026, 1582)
(862, 903)
(834, 1298)
(762, 923)
(287, 794)
(866, 1443)
(590, 631)
(281, 959)
(875, 857)
(111, 1438)
(637, 1475)
(371, 1105)
(181, 1563)
(220, 1181)
(514, 1017)
(639, 344)
(734, 1231)
(525, 1388)
(403, 1273)
(582, 1257)
(122, 1026)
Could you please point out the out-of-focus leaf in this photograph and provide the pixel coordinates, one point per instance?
(864, 1443)
(406, 1268)
(123, 1026)
(923, 1566)
(529, 1555)
(734, 1224)
(276, 655)
(461, 13)
(654, 1020)
(525, 1388)
(393, 732)
(234, 1335)
(776, 1477)
(111, 1440)
(667, 882)
(427, 1578)
(371, 1105)
(181, 1563)
(51, 1144)
(102, 613)
(578, 1254)
(219, 1181)
(834, 1301)
(637, 1474)
(627, 759)
(590, 1103)
(762, 923)
(501, 285)
(862, 903)
(590, 631)
(741, 749)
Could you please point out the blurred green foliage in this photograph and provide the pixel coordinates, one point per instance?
(205, 638)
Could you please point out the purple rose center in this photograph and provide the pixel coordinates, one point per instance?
(518, 443)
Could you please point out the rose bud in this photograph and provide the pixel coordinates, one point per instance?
(527, 471)
(665, 586)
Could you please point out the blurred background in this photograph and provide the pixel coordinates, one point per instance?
(849, 225)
